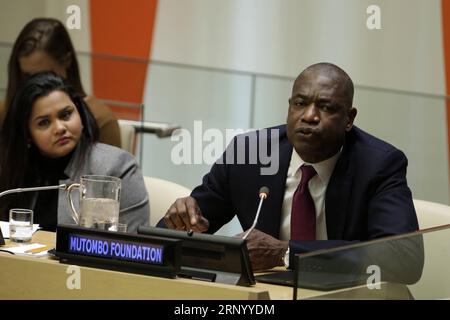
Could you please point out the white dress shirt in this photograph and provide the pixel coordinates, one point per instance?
(317, 188)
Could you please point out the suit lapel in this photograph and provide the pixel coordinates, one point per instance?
(338, 195)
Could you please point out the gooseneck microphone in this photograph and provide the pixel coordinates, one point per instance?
(20, 190)
(263, 194)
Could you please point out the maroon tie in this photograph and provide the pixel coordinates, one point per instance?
(303, 213)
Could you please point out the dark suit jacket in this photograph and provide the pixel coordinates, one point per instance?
(367, 195)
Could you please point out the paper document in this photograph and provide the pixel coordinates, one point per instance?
(34, 249)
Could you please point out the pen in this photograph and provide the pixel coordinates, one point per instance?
(38, 250)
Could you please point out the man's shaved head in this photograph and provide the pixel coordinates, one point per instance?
(334, 72)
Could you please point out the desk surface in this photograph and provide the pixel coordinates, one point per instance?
(23, 277)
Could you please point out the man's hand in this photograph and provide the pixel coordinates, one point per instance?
(265, 251)
(184, 214)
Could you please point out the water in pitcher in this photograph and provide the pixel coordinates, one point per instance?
(99, 213)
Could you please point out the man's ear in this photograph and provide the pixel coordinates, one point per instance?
(351, 117)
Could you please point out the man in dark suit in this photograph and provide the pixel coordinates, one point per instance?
(334, 184)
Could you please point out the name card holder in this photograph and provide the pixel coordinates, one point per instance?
(126, 252)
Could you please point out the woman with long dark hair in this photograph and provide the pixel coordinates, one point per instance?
(44, 45)
(50, 137)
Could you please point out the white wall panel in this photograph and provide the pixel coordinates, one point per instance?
(283, 36)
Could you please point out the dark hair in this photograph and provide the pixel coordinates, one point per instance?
(16, 157)
(50, 36)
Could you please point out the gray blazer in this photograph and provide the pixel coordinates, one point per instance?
(111, 161)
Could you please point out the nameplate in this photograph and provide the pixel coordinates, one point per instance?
(135, 253)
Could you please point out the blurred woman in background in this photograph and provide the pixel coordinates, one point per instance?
(44, 45)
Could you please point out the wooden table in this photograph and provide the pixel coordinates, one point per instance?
(24, 277)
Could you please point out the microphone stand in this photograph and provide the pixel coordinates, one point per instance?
(20, 190)
(262, 197)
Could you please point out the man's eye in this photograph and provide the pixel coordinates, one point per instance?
(300, 103)
(327, 108)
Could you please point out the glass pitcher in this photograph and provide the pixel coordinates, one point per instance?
(99, 202)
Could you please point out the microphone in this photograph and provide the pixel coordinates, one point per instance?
(20, 190)
(263, 194)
